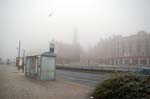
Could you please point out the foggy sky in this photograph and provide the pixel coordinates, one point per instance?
(29, 21)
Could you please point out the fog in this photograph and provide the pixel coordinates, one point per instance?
(30, 21)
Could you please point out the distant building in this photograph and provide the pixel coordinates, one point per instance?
(130, 50)
(67, 53)
(1, 61)
(8, 61)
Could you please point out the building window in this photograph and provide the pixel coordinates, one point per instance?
(126, 61)
(120, 61)
(135, 62)
(143, 62)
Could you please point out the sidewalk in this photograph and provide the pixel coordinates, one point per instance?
(14, 85)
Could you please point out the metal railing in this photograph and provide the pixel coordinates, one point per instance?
(105, 68)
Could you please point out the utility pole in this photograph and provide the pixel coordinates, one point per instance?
(23, 53)
(19, 49)
(18, 58)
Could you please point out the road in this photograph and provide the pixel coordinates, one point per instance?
(85, 78)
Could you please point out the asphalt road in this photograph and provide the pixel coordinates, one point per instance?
(85, 78)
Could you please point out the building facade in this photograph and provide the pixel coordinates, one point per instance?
(130, 50)
(67, 53)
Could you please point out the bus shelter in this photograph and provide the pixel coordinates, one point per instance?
(42, 67)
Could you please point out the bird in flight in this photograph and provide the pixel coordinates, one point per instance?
(50, 14)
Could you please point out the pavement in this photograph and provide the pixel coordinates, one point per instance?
(14, 85)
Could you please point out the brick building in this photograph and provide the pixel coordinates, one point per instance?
(130, 50)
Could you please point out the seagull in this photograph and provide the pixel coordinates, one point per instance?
(50, 14)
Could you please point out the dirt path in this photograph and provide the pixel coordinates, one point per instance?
(14, 85)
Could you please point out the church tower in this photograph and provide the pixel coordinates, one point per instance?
(76, 46)
(75, 36)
